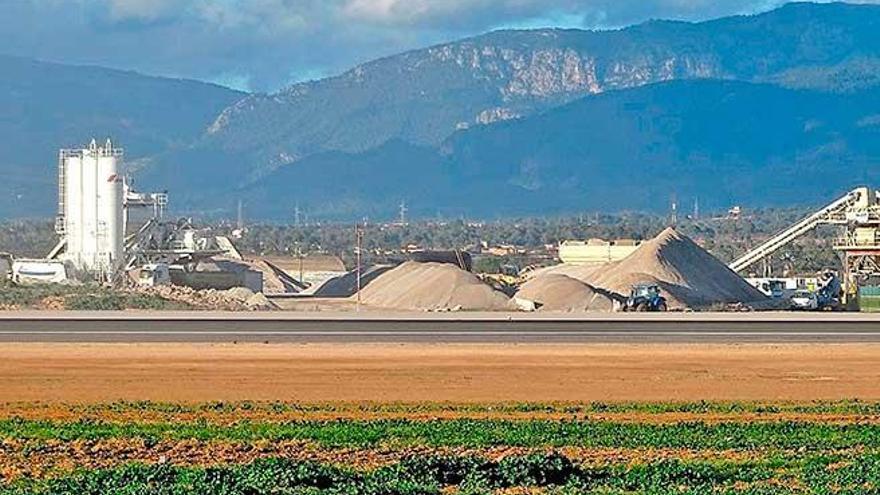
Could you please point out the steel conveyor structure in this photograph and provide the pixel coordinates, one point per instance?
(854, 207)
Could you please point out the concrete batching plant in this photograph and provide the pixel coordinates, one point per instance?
(106, 229)
(94, 204)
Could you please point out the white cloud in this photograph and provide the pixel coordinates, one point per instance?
(141, 10)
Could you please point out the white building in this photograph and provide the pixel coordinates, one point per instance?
(596, 251)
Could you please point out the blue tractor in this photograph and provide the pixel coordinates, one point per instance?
(644, 298)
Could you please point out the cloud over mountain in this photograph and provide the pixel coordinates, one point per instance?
(266, 44)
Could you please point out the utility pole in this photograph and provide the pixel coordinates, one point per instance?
(403, 210)
(359, 240)
(299, 254)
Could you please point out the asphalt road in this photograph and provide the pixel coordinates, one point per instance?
(445, 328)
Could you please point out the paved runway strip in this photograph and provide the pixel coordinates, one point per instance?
(438, 328)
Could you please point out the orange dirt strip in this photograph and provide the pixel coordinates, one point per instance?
(88, 373)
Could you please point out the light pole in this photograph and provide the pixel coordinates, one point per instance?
(299, 254)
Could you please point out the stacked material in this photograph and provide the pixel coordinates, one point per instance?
(556, 292)
(208, 299)
(415, 286)
(689, 276)
(234, 299)
(346, 285)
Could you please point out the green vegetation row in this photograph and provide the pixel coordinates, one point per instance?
(475, 475)
(845, 407)
(475, 433)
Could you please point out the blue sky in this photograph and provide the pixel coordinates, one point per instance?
(264, 45)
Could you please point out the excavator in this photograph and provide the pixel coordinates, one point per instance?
(825, 297)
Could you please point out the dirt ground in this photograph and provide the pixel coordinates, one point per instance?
(82, 373)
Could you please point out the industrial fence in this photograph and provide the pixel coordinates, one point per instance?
(869, 299)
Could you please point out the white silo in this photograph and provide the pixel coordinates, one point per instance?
(91, 209)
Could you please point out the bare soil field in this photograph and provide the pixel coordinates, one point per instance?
(91, 373)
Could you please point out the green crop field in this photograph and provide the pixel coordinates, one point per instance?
(283, 448)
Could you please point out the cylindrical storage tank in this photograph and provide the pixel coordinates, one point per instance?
(110, 212)
(90, 227)
(73, 212)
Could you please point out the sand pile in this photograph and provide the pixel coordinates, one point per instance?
(687, 273)
(240, 294)
(259, 302)
(417, 286)
(556, 292)
(578, 272)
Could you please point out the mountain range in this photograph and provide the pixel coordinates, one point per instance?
(47, 106)
(771, 109)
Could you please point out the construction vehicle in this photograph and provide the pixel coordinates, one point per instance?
(507, 280)
(826, 296)
(645, 297)
(830, 291)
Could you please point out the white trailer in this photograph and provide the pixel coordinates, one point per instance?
(32, 271)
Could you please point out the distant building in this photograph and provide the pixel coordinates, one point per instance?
(411, 248)
(503, 250)
(734, 213)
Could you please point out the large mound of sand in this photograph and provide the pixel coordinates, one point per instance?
(556, 292)
(415, 286)
(687, 273)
